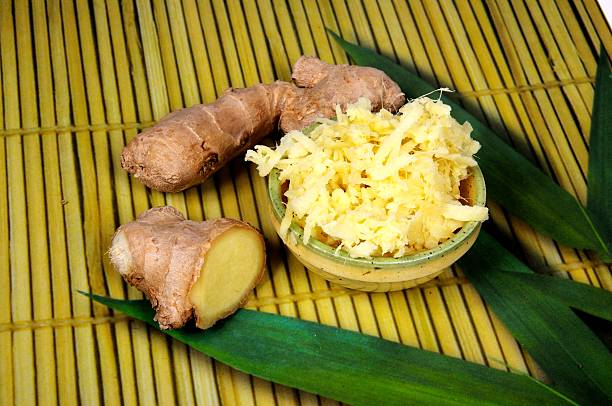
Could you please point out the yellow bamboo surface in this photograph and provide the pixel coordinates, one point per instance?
(81, 78)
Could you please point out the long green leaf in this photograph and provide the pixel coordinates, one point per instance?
(588, 299)
(344, 365)
(512, 180)
(536, 309)
(599, 203)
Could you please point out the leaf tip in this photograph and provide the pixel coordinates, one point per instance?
(334, 35)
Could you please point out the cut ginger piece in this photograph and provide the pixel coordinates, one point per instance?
(184, 267)
(232, 262)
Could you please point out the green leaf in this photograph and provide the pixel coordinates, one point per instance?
(512, 180)
(599, 203)
(536, 309)
(588, 299)
(344, 365)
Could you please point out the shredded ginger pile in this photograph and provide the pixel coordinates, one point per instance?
(377, 183)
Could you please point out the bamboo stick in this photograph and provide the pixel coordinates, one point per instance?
(329, 21)
(93, 227)
(84, 340)
(513, 357)
(600, 24)
(422, 320)
(579, 63)
(361, 25)
(6, 339)
(105, 202)
(305, 40)
(64, 338)
(37, 219)
(394, 27)
(23, 372)
(585, 20)
(565, 66)
(577, 36)
(272, 33)
(402, 319)
(550, 101)
(485, 332)
(345, 26)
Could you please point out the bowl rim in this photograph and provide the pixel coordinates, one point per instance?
(419, 257)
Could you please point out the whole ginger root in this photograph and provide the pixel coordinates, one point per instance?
(186, 147)
(186, 267)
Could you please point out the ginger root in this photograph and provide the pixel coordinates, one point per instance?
(186, 267)
(188, 146)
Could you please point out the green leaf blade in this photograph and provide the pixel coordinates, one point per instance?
(599, 202)
(576, 360)
(586, 298)
(512, 180)
(344, 365)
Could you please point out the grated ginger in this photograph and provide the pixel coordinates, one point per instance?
(377, 183)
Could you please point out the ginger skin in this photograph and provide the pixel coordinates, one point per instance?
(179, 264)
(186, 147)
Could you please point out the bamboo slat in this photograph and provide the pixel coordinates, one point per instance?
(79, 79)
(23, 371)
(37, 236)
(6, 339)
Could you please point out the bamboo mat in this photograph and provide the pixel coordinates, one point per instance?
(80, 79)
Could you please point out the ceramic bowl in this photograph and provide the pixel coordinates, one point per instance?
(378, 274)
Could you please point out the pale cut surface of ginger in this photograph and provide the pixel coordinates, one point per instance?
(377, 183)
(231, 261)
(186, 268)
